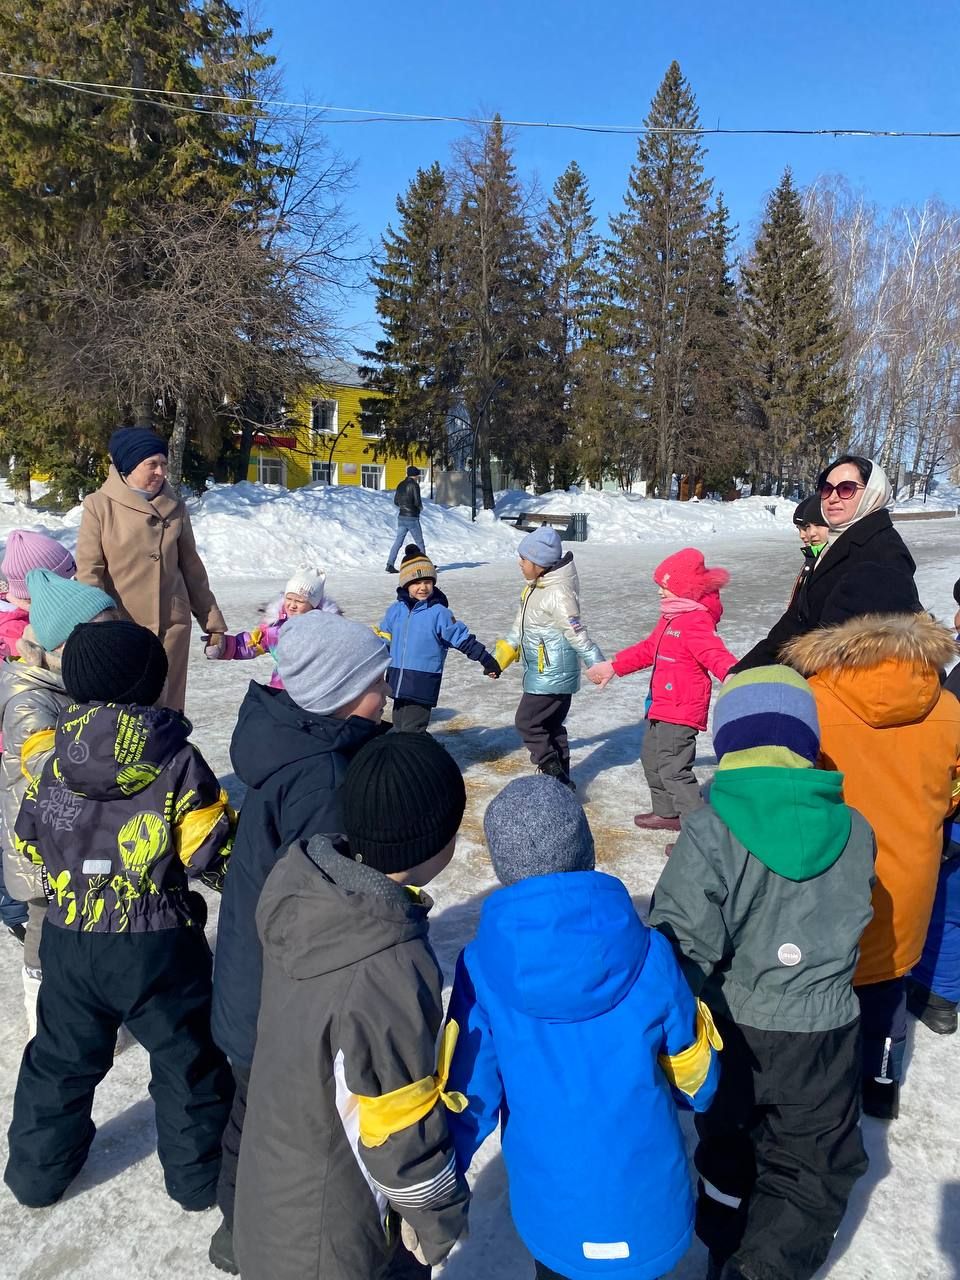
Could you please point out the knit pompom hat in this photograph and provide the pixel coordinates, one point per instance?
(766, 716)
(57, 605)
(402, 801)
(535, 827)
(684, 574)
(416, 566)
(307, 581)
(26, 550)
(118, 662)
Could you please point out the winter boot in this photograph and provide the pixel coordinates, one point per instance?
(552, 767)
(881, 1098)
(714, 1268)
(390, 569)
(31, 990)
(668, 849)
(17, 931)
(565, 766)
(221, 1250)
(653, 822)
(935, 1012)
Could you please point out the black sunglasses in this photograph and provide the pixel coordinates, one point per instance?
(845, 489)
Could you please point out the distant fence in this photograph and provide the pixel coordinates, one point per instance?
(924, 515)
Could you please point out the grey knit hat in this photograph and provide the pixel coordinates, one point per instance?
(536, 827)
(542, 547)
(326, 661)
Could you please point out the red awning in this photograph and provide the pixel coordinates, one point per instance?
(274, 442)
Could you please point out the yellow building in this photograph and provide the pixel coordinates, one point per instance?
(327, 444)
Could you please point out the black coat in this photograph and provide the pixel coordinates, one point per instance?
(407, 498)
(872, 540)
(292, 762)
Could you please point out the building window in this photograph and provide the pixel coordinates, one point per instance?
(323, 417)
(323, 473)
(371, 477)
(370, 428)
(271, 470)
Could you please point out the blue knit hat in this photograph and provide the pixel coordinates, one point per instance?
(129, 446)
(57, 605)
(535, 827)
(766, 716)
(542, 547)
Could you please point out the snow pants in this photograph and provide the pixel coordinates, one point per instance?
(939, 966)
(12, 910)
(539, 721)
(159, 985)
(410, 717)
(667, 757)
(883, 1021)
(780, 1149)
(227, 1183)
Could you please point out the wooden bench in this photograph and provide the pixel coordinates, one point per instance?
(565, 523)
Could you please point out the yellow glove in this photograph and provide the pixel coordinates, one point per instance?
(505, 654)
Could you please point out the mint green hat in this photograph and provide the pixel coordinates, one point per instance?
(57, 605)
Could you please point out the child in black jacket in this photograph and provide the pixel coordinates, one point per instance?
(120, 817)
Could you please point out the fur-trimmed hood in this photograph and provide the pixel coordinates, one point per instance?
(885, 668)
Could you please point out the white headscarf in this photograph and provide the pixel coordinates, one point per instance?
(877, 494)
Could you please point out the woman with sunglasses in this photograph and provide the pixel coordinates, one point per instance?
(854, 497)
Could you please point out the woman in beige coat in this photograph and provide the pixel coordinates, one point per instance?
(136, 543)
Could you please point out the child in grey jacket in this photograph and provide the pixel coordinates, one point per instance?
(345, 1143)
(764, 898)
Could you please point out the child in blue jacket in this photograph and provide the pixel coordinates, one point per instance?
(578, 1033)
(420, 629)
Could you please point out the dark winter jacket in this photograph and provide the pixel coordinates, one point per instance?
(347, 1109)
(810, 557)
(872, 540)
(407, 498)
(765, 897)
(292, 763)
(420, 633)
(120, 816)
(578, 1034)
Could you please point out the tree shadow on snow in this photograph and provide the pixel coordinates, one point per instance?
(462, 564)
(621, 747)
(120, 1143)
(479, 744)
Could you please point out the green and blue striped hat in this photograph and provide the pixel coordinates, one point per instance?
(766, 716)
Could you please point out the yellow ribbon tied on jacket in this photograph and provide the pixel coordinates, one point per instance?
(687, 1071)
(37, 744)
(396, 1111)
(505, 654)
(197, 826)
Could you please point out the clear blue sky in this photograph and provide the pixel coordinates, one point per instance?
(763, 63)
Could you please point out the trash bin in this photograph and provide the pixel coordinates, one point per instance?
(577, 528)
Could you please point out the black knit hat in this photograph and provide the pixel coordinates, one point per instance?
(114, 662)
(403, 800)
(809, 511)
(956, 591)
(870, 588)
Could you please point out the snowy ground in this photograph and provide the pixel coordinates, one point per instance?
(904, 1219)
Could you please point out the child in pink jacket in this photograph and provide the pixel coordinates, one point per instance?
(684, 650)
(304, 592)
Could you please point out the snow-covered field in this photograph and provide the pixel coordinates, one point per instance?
(904, 1220)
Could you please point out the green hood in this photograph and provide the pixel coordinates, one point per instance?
(793, 820)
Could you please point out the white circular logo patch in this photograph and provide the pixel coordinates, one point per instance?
(790, 954)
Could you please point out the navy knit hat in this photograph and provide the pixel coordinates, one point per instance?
(402, 800)
(809, 511)
(766, 716)
(536, 827)
(129, 446)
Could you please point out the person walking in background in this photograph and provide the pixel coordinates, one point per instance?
(855, 496)
(409, 504)
(136, 544)
(684, 650)
(549, 638)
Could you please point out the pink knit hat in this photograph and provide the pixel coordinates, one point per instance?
(26, 550)
(684, 574)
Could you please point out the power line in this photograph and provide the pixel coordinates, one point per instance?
(233, 105)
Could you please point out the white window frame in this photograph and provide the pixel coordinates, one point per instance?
(369, 431)
(315, 405)
(366, 469)
(330, 466)
(271, 462)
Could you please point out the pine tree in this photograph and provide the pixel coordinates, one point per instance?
(571, 248)
(502, 307)
(416, 365)
(654, 259)
(794, 343)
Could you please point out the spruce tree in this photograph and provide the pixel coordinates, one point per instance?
(571, 249)
(654, 258)
(416, 365)
(793, 344)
